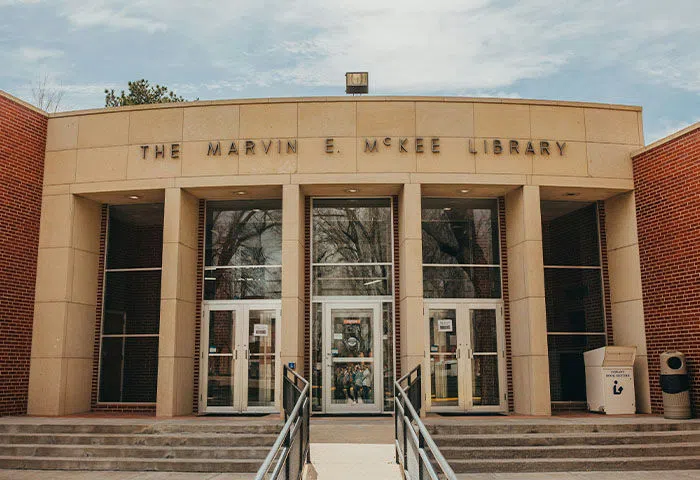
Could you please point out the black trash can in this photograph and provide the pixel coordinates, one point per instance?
(675, 386)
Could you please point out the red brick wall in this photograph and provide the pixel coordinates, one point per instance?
(201, 226)
(506, 299)
(667, 191)
(22, 145)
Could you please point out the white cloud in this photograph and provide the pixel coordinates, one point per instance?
(86, 15)
(667, 126)
(34, 54)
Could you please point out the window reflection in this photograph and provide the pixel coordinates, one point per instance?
(243, 234)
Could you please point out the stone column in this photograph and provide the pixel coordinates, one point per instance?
(412, 337)
(177, 304)
(60, 379)
(624, 272)
(527, 304)
(292, 322)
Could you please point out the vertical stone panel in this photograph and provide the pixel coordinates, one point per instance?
(526, 302)
(178, 298)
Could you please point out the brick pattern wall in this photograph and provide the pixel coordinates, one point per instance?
(506, 299)
(202, 223)
(397, 287)
(606, 281)
(307, 288)
(22, 145)
(667, 192)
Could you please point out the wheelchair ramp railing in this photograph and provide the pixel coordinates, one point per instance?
(290, 452)
(416, 452)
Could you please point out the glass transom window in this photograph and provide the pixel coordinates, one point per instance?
(461, 256)
(243, 256)
(352, 248)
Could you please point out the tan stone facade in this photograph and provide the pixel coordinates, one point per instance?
(412, 147)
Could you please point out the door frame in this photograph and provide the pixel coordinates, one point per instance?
(354, 303)
(240, 356)
(463, 354)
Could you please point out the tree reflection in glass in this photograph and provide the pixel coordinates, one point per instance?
(460, 248)
(244, 240)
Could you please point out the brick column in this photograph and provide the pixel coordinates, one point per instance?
(624, 272)
(527, 305)
(411, 280)
(177, 304)
(60, 378)
(292, 326)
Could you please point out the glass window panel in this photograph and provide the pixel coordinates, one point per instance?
(460, 231)
(244, 232)
(443, 330)
(352, 331)
(388, 350)
(567, 374)
(483, 331)
(135, 236)
(129, 369)
(353, 383)
(220, 381)
(351, 230)
(444, 380)
(243, 283)
(570, 233)
(317, 357)
(221, 331)
(261, 331)
(132, 302)
(574, 299)
(352, 280)
(485, 380)
(261, 381)
(461, 282)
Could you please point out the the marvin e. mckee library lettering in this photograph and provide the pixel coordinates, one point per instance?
(371, 145)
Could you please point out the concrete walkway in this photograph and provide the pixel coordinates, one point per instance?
(663, 475)
(352, 461)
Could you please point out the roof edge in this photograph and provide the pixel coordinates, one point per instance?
(21, 102)
(666, 139)
(368, 98)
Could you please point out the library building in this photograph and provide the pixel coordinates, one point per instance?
(169, 259)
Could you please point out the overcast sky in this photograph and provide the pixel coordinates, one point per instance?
(638, 52)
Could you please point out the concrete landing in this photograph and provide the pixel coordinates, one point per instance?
(352, 461)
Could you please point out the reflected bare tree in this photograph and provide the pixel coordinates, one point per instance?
(244, 237)
(461, 236)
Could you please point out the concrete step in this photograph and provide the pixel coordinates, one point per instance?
(170, 440)
(130, 464)
(577, 451)
(576, 464)
(482, 428)
(92, 451)
(547, 439)
(142, 428)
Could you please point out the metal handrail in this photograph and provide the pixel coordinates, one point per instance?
(413, 430)
(297, 423)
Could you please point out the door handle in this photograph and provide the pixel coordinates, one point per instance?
(235, 354)
(246, 354)
(458, 355)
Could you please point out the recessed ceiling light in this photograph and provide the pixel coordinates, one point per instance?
(571, 194)
(134, 197)
(351, 190)
(463, 190)
(240, 192)
(447, 209)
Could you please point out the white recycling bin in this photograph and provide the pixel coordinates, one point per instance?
(610, 379)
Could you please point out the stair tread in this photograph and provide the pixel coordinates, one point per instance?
(131, 459)
(145, 435)
(567, 434)
(579, 447)
(140, 447)
(575, 459)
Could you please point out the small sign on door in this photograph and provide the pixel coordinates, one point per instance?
(444, 325)
(260, 330)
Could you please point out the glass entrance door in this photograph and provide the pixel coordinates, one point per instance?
(465, 357)
(239, 358)
(352, 340)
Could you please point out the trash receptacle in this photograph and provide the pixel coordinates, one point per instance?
(675, 386)
(610, 379)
